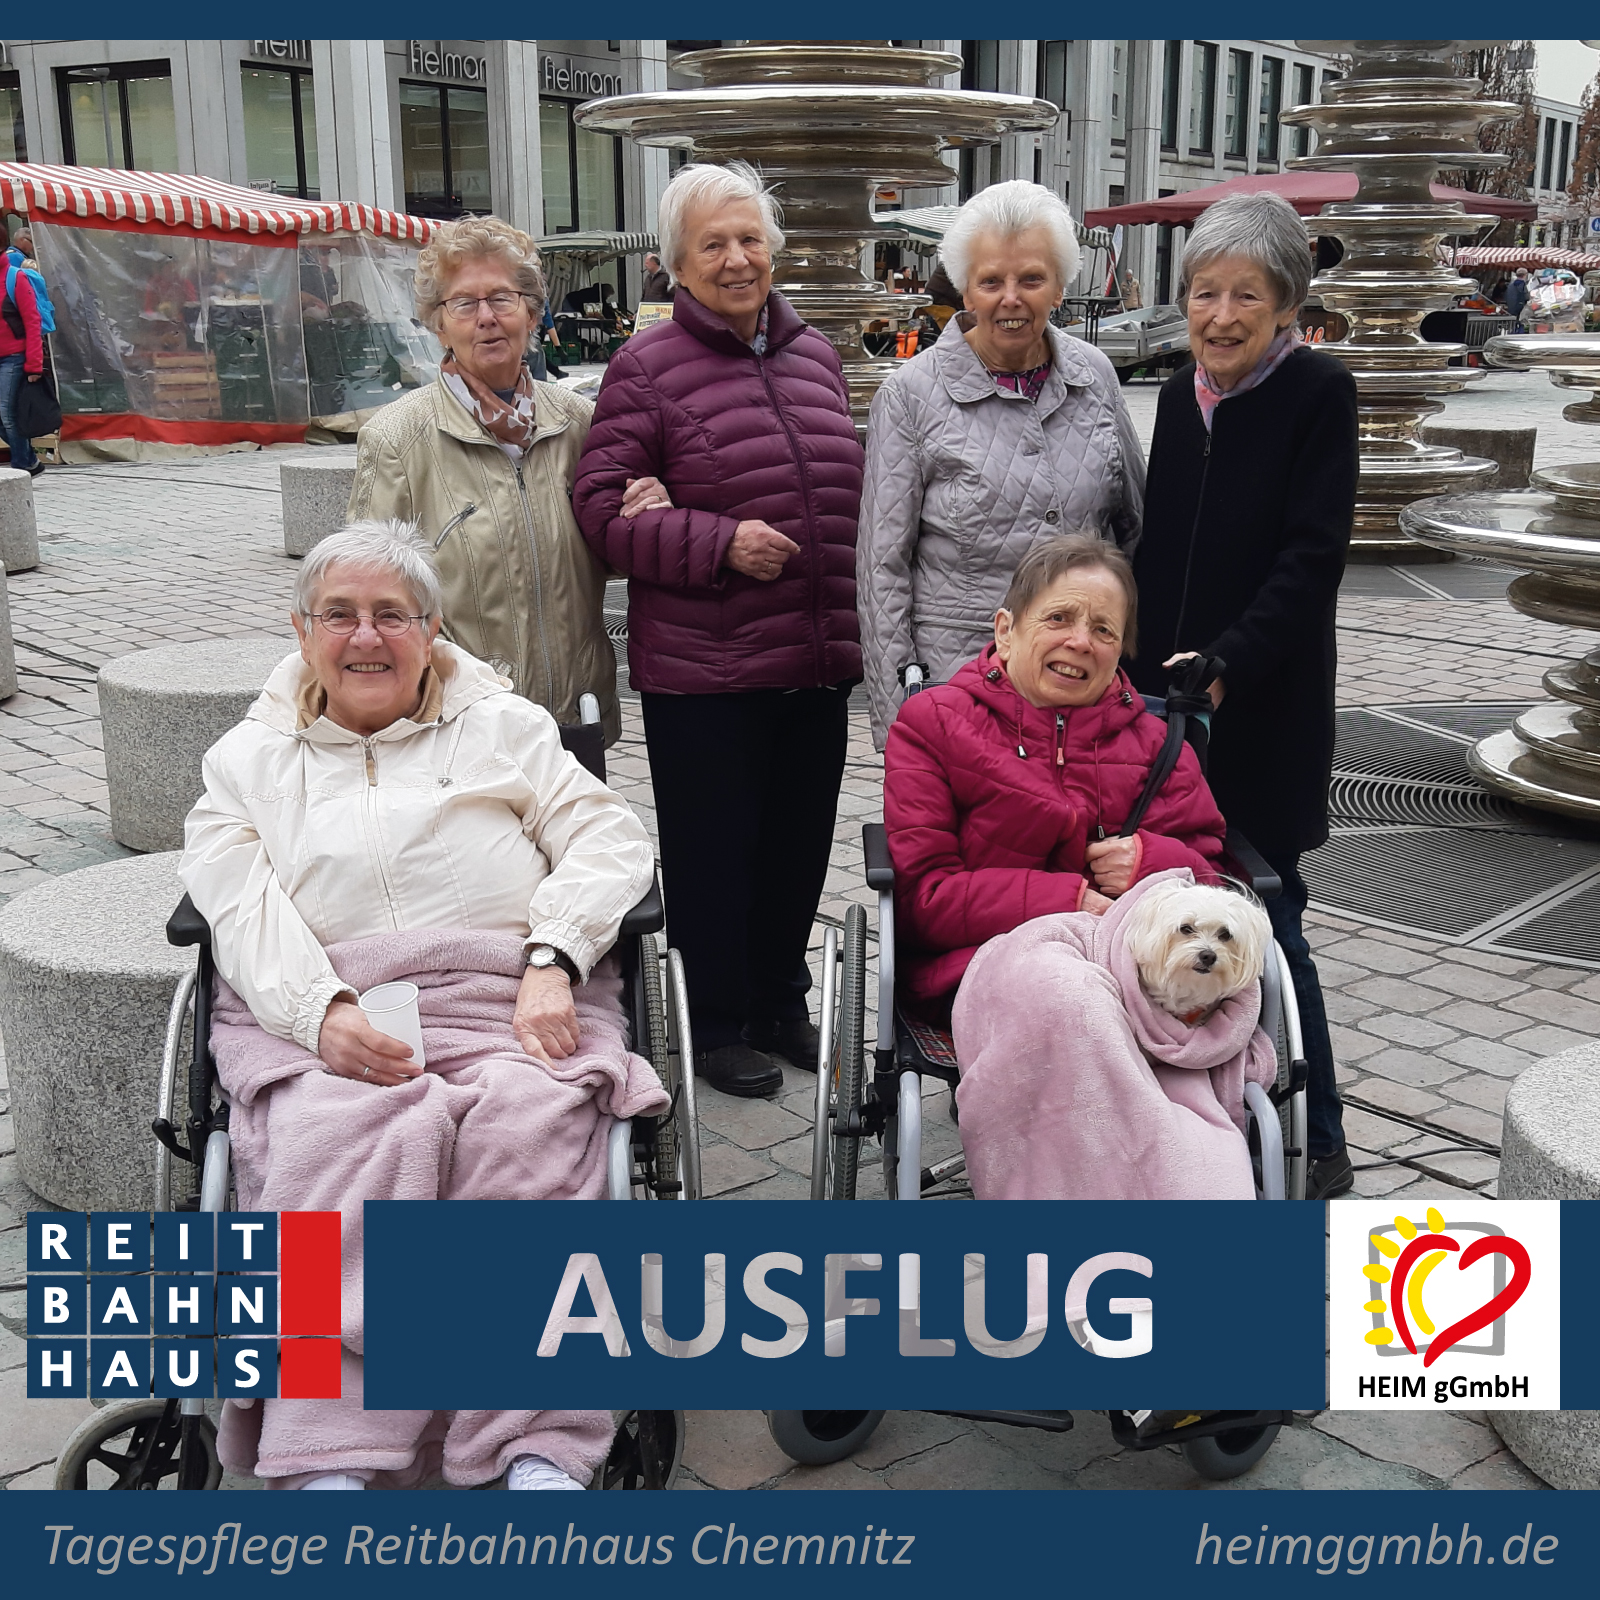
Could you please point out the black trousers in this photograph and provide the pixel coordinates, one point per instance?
(746, 791)
(1324, 1110)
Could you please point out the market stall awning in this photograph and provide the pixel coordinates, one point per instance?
(599, 245)
(1513, 255)
(933, 222)
(1307, 192)
(185, 206)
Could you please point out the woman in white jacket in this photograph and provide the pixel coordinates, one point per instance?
(390, 809)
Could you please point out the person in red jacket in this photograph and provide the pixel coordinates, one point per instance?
(1005, 788)
(21, 361)
(722, 474)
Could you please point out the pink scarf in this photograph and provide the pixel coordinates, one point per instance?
(1208, 396)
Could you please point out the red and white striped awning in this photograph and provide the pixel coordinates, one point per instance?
(1513, 255)
(183, 205)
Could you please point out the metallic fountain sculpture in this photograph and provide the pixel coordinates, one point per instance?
(831, 123)
(1400, 115)
(1550, 757)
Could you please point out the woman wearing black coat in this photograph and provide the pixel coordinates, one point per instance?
(1251, 493)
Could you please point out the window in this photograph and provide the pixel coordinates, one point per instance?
(444, 149)
(1304, 88)
(1119, 90)
(980, 64)
(13, 139)
(1171, 79)
(1051, 83)
(280, 130)
(1202, 99)
(1549, 151)
(1565, 156)
(582, 172)
(1235, 108)
(119, 116)
(1271, 106)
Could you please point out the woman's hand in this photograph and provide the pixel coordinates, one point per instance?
(1112, 863)
(1096, 904)
(1217, 689)
(759, 551)
(350, 1047)
(645, 494)
(546, 1021)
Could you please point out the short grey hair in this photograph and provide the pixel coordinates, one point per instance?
(1007, 209)
(1263, 228)
(700, 184)
(382, 548)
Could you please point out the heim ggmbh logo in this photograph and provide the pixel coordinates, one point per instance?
(1438, 1307)
(125, 1304)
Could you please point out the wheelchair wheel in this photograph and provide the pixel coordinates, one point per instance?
(646, 1452)
(133, 1444)
(814, 1438)
(657, 1050)
(850, 1071)
(1229, 1455)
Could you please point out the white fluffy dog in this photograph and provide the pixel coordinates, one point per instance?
(1195, 945)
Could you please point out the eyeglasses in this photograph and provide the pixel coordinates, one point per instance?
(342, 621)
(462, 306)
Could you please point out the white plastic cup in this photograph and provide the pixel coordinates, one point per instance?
(391, 1008)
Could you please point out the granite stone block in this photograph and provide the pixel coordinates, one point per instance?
(8, 651)
(161, 711)
(1510, 448)
(19, 533)
(86, 982)
(315, 495)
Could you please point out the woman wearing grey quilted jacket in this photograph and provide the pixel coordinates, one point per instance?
(984, 444)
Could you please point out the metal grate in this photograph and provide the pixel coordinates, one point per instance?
(1380, 802)
(1570, 930)
(1369, 745)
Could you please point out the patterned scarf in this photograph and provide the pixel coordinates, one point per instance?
(1028, 384)
(512, 425)
(1208, 396)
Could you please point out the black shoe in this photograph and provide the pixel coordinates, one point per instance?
(35, 469)
(738, 1070)
(795, 1039)
(1330, 1176)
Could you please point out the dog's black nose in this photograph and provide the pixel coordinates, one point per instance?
(1206, 960)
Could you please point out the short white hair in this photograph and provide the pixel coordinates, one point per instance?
(388, 548)
(1005, 210)
(700, 184)
(1263, 228)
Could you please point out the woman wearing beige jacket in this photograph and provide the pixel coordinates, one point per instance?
(389, 813)
(483, 463)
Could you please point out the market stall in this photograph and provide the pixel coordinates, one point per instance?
(192, 314)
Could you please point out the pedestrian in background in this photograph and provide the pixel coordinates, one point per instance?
(21, 356)
(742, 635)
(1517, 296)
(657, 280)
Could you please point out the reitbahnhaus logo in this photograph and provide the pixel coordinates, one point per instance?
(1444, 1305)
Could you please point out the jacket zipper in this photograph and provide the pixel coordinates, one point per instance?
(1061, 739)
(371, 809)
(538, 588)
(814, 554)
(454, 523)
(1194, 531)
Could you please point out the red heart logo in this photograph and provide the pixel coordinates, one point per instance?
(1495, 1308)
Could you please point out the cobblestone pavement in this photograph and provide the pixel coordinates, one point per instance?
(1428, 1035)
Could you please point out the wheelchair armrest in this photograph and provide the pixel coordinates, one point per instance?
(875, 847)
(646, 917)
(186, 926)
(1252, 866)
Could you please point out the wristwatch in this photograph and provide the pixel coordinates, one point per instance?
(546, 955)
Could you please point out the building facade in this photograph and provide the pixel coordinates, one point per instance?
(1561, 223)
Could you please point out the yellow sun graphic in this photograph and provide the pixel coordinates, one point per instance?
(1378, 1275)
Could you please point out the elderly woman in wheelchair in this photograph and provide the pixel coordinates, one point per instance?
(1059, 903)
(390, 812)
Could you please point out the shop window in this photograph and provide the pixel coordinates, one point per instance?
(1202, 99)
(13, 139)
(1235, 108)
(119, 115)
(280, 130)
(1171, 79)
(444, 149)
(1271, 106)
(581, 171)
(1304, 81)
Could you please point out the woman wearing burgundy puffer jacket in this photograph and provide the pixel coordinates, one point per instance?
(722, 475)
(1004, 789)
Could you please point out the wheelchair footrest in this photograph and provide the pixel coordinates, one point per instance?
(1126, 1433)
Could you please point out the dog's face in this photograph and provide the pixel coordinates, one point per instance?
(1196, 945)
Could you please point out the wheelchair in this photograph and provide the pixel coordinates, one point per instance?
(889, 1108)
(154, 1443)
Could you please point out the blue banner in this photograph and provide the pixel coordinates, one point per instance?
(487, 1305)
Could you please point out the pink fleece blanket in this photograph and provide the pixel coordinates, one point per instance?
(1074, 1086)
(484, 1122)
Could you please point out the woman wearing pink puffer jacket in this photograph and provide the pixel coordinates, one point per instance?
(722, 475)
